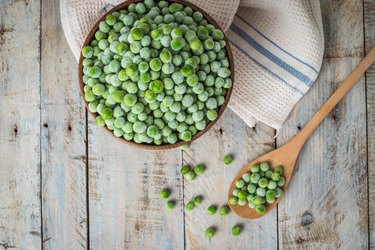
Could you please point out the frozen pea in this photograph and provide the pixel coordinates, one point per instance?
(211, 114)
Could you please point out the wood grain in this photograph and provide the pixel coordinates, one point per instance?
(229, 136)
(327, 205)
(369, 19)
(20, 212)
(126, 211)
(63, 140)
(326, 199)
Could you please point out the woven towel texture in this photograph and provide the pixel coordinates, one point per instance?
(277, 46)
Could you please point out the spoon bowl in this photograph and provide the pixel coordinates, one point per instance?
(279, 157)
(286, 156)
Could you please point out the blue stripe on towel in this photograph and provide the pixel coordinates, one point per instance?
(303, 78)
(267, 69)
(268, 39)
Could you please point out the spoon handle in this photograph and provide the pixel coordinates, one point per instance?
(340, 92)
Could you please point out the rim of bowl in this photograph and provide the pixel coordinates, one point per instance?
(223, 107)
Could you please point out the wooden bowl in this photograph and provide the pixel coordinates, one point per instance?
(162, 146)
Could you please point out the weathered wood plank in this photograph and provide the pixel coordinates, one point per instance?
(63, 140)
(229, 136)
(325, 206)
(20, 213)
(369, 19)
(125, 208)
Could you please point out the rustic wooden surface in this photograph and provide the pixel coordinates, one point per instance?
(63, 139)
(67, 185)
(20, 170)
(325, 197)
(369, 21)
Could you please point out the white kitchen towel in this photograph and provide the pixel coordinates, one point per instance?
(277, 46)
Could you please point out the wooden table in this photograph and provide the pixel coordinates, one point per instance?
(67, 185)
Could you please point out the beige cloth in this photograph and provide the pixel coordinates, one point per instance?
(277, 45)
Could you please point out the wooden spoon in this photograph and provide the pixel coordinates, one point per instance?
(287, 154)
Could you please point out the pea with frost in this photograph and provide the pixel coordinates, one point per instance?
(157, 73)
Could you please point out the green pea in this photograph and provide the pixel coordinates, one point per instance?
(177, 60)
(177, 77)
(87, 51)
(236, 191)
(176, 32)
(190, 205)
(195, 44)
(228, 83)
(236, 230)
(190, 176)
(261, 209)
(272, 184)
(270, 196)
(170, 205)
(261, 192)
(257, 200)
(186, 71)
(279, 170)
(268, 174)
(242, 194)
(211, 210)
(186, 136)
(233, 200)
(275, 176)
(202, 33)
(168, 68)
(164, 193)
(281, 182)
(210, 232)
(251, 188)
(177, 43)
(184, 170)
(224, 210)
(278, 192)
(100, 121)
(155, 64)
(197, 200)
(240, 183)
(199, 169)
(254, 178)
(139, 127)
(246, 177)
(200, 125)
(255, 168)
(140, 8)
(166, 131)
(221, 71)
(263, 182)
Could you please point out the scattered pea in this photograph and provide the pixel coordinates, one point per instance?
(236, 230)
(224, 210)
(211, 210)
(197, 200)
(190, 176)
(190, 205)
(170, 205)
(165, 193)
(228, 159)
(210, 232)
(199, 169)
(184, 170)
